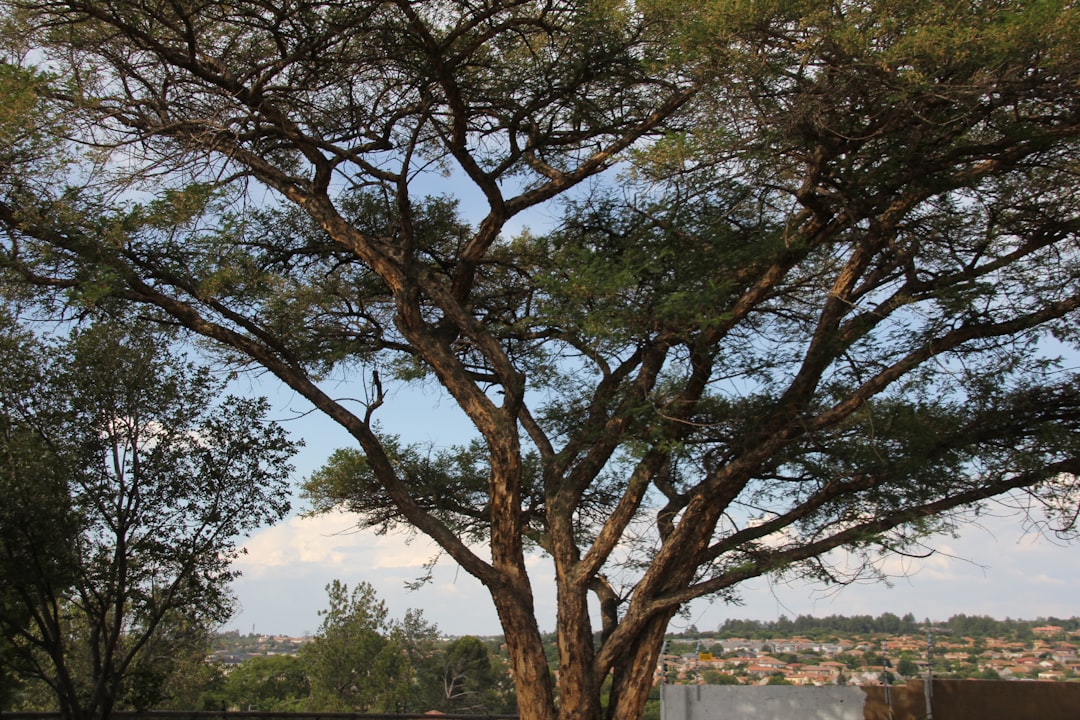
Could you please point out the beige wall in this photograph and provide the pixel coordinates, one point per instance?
(978, 700)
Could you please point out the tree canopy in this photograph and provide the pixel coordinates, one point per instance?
(354, 662)
(127, 482)
(813, 285)
(363, 661)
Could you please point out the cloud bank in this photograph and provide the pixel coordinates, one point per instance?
(994, 569)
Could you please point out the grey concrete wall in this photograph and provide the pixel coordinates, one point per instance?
(767, 702)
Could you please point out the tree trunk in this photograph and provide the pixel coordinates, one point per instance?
(579, 694)
(633, 673)
(532, 679)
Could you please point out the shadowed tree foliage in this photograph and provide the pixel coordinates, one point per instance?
(468, 681)
(127, 481)
(277, 683)
(813, 285)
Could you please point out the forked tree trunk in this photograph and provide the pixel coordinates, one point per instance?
(633, 673)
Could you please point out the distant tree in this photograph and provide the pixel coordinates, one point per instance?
(353, 662)
(851, 660)
(422, 644)
(268, 683)
(875, 660)
(715, 677)
(128, 479)
(681, 648)
(906, 667)
(9, 681)
(195, 683)
(174, 672)
(32, 695)
(889, 623)
(469, 681)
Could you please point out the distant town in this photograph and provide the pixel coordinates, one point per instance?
(836, 650)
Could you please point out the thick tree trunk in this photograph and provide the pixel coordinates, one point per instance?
(510, 588)
(532, 679)
(633, 674)
(579, 694)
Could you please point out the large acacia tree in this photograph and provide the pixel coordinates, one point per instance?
(815, 267)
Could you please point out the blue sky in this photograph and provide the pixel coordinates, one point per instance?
(996, 568)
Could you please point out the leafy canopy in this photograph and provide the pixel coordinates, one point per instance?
(813, 284)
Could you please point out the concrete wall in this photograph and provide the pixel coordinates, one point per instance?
(767, 702)
(951, 700)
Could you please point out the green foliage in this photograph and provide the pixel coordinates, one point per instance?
(360, 658)
(830, 305)
(10, 685)
(361, 661)
(906, 667)
(30, 126)
(815, 627)
(194, 682)
(354, 664)
(128, 481)
(173, 672)
(715, 677)
(449, 484)
(471, 682)
(275, 683)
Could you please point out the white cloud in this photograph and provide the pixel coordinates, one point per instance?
(399, 551)
(992, 569)
(1042, 579)
(323, 540)
(287, 567)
